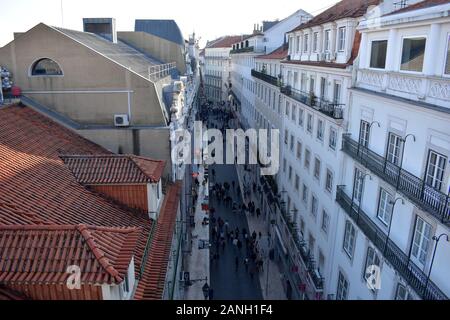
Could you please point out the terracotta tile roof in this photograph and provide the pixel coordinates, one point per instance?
(10, 294)
(341, 10)
(113, 169)
(420, 5)
(36, 186)
(226, 41)
(278, 54)
(41, 254)
(151, 286)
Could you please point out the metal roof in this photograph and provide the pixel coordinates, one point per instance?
(166, 29)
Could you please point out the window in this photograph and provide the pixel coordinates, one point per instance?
(337, 92)
(402, 293)
(297, 182)
(305, 49)
(315, 41)
(317, 168)
(284, 165)
(447, 63)
(349, 238)
(299, 150)
(327, 41)
(286, 137)
(385, 207)
(292, 143)
(309, 123)
(329, 181)
(325, 221)
(314, 206)
(46, 67)
(307, 158)
(290, 173)
(342, 287)
(294, 113)
(378, 54)
(364, 132)
(341, 39)
(305, 194)
(298, 43)
(332, 138)
(435, 169)
(300, 117)
(372, 259)
(394, 148)
(421, 241)
(320, 129)
(358, 185)
(413, 54)
(287, 109)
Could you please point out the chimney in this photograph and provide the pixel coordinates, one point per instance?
(104, 27)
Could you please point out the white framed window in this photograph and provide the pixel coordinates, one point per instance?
(364, 132)
(284, 165)
(301, 114)
(372, 259)
(287, 110)
(305, 47)
(309, 123)
(435, 169)
(421, 240)
(292, 143)
(294, 113)
(402, 293)
(341, 39)
(337, 92)
(299, 150)
(315, 41)
(342, 287)
(320, 129)
(325, 221)
(317, 168)
(378, 54)
(327, 40)
(298, 43)
(447, 57)
(286, 136)
(314, 206)
(297, 182)
(385, 207)
(349, 239)
(329, 181)
(332, 140)
(290, 173)
(395, 144)
(358, 186)
(413, 53)
(307, 158)
(305, 194)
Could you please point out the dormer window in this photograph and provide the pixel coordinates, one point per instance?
(413, 53)
(378, 54)
(341, 39)
(327, 40)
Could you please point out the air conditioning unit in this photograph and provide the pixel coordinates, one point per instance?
(121, 120)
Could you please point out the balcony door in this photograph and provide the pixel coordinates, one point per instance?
(364, 132)
(435, 170)
(422, 242)
(358, 186)
(323, 88)
(394, 151)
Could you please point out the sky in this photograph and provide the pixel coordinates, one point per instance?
(209, 19)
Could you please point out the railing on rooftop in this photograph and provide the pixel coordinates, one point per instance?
(242, 50)
(265, 77)
(416, 278)
(417, 190)
(331, 109)
(159, 71)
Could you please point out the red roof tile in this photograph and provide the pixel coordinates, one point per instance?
(38, 188)
(151, 286)
(41, 254)
(113, 169)
(421, 5)
(341, 10)
(226, 41)
(278, 54)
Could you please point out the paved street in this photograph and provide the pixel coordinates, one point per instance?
(227, 282)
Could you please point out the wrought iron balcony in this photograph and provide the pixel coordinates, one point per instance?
(331, 109)
(265, 77)
(416, 278)
(242, 50)
(414, 188)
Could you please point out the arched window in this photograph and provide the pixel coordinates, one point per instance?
(46, 67)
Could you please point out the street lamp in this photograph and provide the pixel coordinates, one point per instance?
(436, 239)
(403, 151)
(393, 203)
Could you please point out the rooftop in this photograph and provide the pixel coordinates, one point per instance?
(166, 29)
(420, 5)
(226, 41)
(278, 54)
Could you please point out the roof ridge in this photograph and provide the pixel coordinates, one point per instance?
(98, 253)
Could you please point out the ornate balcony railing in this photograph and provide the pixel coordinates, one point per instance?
(417, 190)
(416, 278)
(242, 50)
(331, 109)
(265, 77)
(300, 244)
